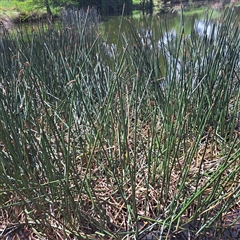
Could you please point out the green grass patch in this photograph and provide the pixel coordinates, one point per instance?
(137, 1)
(15, 5)
(7, 4)
(20, 11)
(198, 11)
(202, 12)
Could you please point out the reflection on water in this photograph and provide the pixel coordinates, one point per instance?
(204, 24)
(203, 28)
(111, 25)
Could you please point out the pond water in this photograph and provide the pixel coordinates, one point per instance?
(195, 15)
(158, 28)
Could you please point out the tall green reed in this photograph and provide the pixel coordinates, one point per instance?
(113, 141)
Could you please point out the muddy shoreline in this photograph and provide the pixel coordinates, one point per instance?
(7, 22)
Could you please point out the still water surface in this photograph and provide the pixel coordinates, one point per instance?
(194, 16)
(157, 29)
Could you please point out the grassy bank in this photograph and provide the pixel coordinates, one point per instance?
(102, 141)
(18, 11)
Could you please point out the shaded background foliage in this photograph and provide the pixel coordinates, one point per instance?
(103, 6)
(108, 7)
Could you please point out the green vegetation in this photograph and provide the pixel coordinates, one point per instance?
(19, 11)
(102, 141)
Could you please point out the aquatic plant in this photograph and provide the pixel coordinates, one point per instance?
(142, 141)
